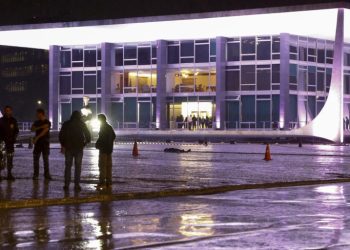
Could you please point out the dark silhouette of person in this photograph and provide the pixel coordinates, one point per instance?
(104, 144)
(181, 118)
(73, 136)
(194, 121)
(189, 121)
(8, 134)
(347, 123)
(41, 142)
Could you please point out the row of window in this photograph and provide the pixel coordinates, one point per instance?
(79, 82)
(70, 105)
(21, 71)
(252, 48)
(309, 78)
(135, 55)
(252, 77)
(190, 51)
(311, 54)
(78, 57)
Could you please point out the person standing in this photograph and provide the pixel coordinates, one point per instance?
(104, 144)
(73, 136)
(189, 121)
(8, 133)
(41, 142)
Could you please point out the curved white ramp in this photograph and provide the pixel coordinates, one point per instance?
(329, 123)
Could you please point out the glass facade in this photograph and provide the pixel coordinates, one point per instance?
(79, 76)
(186, 75)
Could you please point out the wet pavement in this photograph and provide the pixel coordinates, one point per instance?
(212, 166)
(299, 217)
(313, 217)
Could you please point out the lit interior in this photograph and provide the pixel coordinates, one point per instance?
(198, 109)
(317, 23)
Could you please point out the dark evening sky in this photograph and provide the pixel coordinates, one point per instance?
(46, 11)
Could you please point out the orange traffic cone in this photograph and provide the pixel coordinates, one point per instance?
(267, 153)
(135, 150)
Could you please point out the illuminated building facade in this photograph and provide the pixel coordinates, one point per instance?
(24, 80)
(266, 68)
(248, 82)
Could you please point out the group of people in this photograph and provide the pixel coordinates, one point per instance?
(73, 137)
(192, 122)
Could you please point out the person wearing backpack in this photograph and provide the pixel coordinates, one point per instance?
(74, 136)
(104, 144)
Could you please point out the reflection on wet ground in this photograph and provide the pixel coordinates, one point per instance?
(313, 217)
(211, 166)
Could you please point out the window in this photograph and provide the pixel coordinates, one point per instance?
(232, 80)
(320, 81)
(187, 48)
(65, 85)
(187, 60)
(130, 52)
(312, 75)
(77, 79)
(293, 49)
(77, 103)
(264, 50)
(144, 56)
(212, 47)
(321, 56)
(248, 108)
(65, 59)
(202, 53)
(302, 82)
(173, 54)
(90, 84)
(311, 55)
(347, 84)
(347, 59)
(248, 45)
(293, 73)
(302, 53)
(329, 56)
(119, 58)
(154, 54)
(275, 108)
(263, 114)
(311, 102)
(90, 58)
(99, 79)
(99, 55)
(263, 79)
(275, 73)
(77, 54)
(233, 53)
(275, 45)
(328, 76)
(66, 111)
(248, 74)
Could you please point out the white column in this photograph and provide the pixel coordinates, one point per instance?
(54, 67)
(329, 123)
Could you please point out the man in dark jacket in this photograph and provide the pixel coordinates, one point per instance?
(104, 144)
(74, 135)
(8, 133)
(41, 127)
